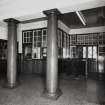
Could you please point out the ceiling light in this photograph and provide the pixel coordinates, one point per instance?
(81, 17)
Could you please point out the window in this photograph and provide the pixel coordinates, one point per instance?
(64, 42)
(84, 52)
(44, 38)
(73, 52)
(27, 37)
(101, 50)
(64, 52)
(66, 45)
(37, 38)
(73, 39)
(91, 39)
(36, 53)
(90, 52)
(94, 52)
(35, 42)
(37, 35)
(59, 39)
(27, 51)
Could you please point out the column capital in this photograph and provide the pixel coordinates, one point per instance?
(11, 20)
(52, 11)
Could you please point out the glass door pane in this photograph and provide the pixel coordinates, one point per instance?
(89, 52)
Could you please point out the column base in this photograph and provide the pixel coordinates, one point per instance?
(10, 86)
(53, 96)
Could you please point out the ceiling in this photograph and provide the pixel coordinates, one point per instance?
(94, 17)
(24, 10)
(31, 9)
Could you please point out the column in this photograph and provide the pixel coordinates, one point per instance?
(12, 53)
(51, 90)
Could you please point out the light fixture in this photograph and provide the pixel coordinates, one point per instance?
(81, 17)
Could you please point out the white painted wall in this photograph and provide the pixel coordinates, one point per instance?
(34, 25)
(62, 26)
(3, 31)
(42, 24)
(87, 30)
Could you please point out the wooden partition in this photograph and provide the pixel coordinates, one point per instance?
(76, 49)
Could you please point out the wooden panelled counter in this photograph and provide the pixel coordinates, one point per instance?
(34, 66)
(69, 66)
(85, 67)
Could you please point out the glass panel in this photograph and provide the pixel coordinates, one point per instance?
(89, 52)
(44, 44)
(64, 52)
(27, 52)
(61, 40)
(28, 34)
(35, 45)
(44, 52)
(94, 52)
(67, 41)
(58, 38)
(84, 52)
(24, 40)
(31, 34)
(67, 53)
(44, 38)
(44, 32)
(31, 39)
(36, 53)
(34, 33)
(39, 38)
(24, 34)
(64, 40)
(38, 44)
(28, 40)
(39, 33)
(35, 39)
(79, 52)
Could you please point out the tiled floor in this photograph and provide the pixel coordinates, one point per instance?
(75, 92)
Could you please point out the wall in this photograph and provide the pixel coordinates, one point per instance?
(3, 31)
(87, 30)
(36, 25)
(62, 26)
